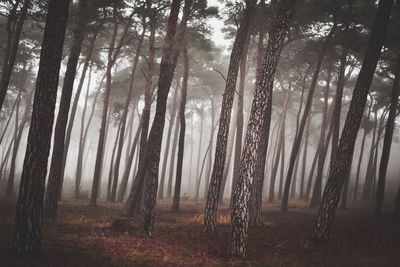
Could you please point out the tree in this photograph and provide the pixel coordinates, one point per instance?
(239, 215)
(15, 22)
(339, 169)
(394, 99)
(225, 117)
(181, 145)
(30, 200)
(53, 185)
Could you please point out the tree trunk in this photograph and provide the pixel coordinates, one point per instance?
(387, 142)
(53, 184)
(166, 153)
(13, 37)
(316, 196)
(109, 185)
(30, 200)
(75, 103)
(368, 176)
(181, 146)
(239, 216)
(17, 140)
(79, 162)
(307, 108)
(173, 155)
(338, 170)
(303, 168)
(210, 211)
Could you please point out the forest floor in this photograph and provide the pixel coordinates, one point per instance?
(86, 236)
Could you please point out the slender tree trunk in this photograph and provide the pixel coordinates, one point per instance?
(75, 103)
(368, 176)
(125, 115)
(182, 109)
(303, 168)
(173, 154)
(166, 153)
(307, 108)
(239, 216)
(12, 47)
(280, 144)
(338, 170)
(53, 184)
(360, 159)
(316, 196)
(209, 164)
(109, 184)
(30, 200)
(210, 211)
(79, 162)
(17, 141)
(387, 142)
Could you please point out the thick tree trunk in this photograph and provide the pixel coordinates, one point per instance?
(239, 216)
(13, 37)
(387, 142)
(338, 170)
(181, 146)
(307, 108)
(30, 200)
(53, 184)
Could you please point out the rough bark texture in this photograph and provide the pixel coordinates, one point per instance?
(210, 211)
(307, 108)
(387, 141)
(53, 184)
(338, 170)
(239, 216)
(29, 210)
(181, 145)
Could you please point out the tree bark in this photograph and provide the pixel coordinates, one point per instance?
(387, 142)
(30, 200)
(181, 146)
(239, 216)
(210, 211)
(53, 184)
(326, 214)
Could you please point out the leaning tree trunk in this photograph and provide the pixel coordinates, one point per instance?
(316, 196)
(368, 176)
(53, 184)
(387, 142)
(182, 108)
(239, 216)
(338, 170)
(106, 98)
(209, 164)
(303, 168)
(173, 155)
(210, 211)
(307, 108)
(166, 153)
(12, 46)
(30, 200)
(124, 117)
(17, 140)
(76, 101)
(79, 162)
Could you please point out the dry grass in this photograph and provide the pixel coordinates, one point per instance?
(85, 236)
